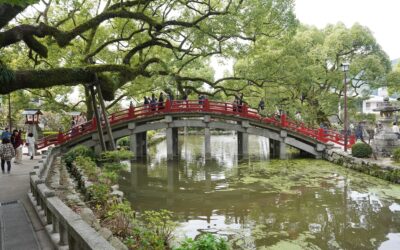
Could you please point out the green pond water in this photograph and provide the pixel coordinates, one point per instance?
(265, 204)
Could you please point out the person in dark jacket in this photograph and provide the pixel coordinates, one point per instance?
(16, 141)
(7, 152)
(161, 101)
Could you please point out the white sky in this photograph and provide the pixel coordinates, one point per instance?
(381, 17)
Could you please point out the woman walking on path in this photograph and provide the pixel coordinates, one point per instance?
(16, 141)
(7, 152)
(30, 142)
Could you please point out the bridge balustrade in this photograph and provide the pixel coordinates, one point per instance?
(198, 106)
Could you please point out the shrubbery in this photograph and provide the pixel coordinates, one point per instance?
(396, 155)
(70, 157)
(116, 155)
(361, 150)
(205, 241)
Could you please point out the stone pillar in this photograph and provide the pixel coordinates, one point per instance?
(207, 142)
(274, 148)
(172, 143)
(138, 144)
(243, 144)
(282, 151)
(97, 145)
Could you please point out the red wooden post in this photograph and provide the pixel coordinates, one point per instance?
(320, 134)
(283, 120)
(167, 105)
(94, 123)
(245, 109)
(206, 105)
(60, 137)
(131, 111)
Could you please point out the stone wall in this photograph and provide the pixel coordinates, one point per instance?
(379, 169)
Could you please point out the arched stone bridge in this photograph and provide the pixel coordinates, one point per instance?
(136, 121)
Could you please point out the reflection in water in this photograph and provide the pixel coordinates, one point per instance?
(306, 204)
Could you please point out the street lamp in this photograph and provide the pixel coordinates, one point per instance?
(345, 68)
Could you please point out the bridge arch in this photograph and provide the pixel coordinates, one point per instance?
(137, 133)
(135, 122)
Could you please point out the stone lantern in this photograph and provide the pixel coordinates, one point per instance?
(32, 121)
(385, 141)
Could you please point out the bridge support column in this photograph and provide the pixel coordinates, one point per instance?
(138, 144)
(172, 143)
(243, 141)
(274, 148)
(207, 142)
(243, 144)
(282, 151)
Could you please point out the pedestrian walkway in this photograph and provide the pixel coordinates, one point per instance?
(20, 227)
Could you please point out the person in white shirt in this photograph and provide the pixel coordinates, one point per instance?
(396, 129)
(30, 142)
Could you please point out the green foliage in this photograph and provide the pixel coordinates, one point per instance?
(361, 150)
(109, 177)
(47, 133)
(88, 166)
(159, 222)
(116, 155)
(123, 142)
(19, 2)
(98, 195)
(114, 166)
(396, 155)
(119, 218)
(6, 75)
(72, 154)
(365, 117)
(312, 80)
(205, 241)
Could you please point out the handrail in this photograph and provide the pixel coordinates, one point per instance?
(198, 106)
(66, 229)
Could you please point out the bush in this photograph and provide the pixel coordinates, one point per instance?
(88, 166)
(98, 195)
(72, 154)
(396, 155)
(116, 155)
(361, 150)
(205, 241)
(119, 218)
(123, 142)
(47, 133)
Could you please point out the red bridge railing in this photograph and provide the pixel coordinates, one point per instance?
(200, 106)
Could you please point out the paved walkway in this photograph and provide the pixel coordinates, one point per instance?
(20, 227)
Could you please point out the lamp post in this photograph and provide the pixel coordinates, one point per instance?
(345, 68)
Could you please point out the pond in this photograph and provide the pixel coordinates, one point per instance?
(265, 204)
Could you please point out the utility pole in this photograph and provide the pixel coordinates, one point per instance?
(9, 113)
(345, 68)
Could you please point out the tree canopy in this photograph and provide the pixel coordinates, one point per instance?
(305, 72)
(121, 43)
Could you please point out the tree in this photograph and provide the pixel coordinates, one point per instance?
(304, 73)
(118, 43)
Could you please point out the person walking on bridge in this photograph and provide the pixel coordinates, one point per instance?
(7, 152)
(161, 101)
